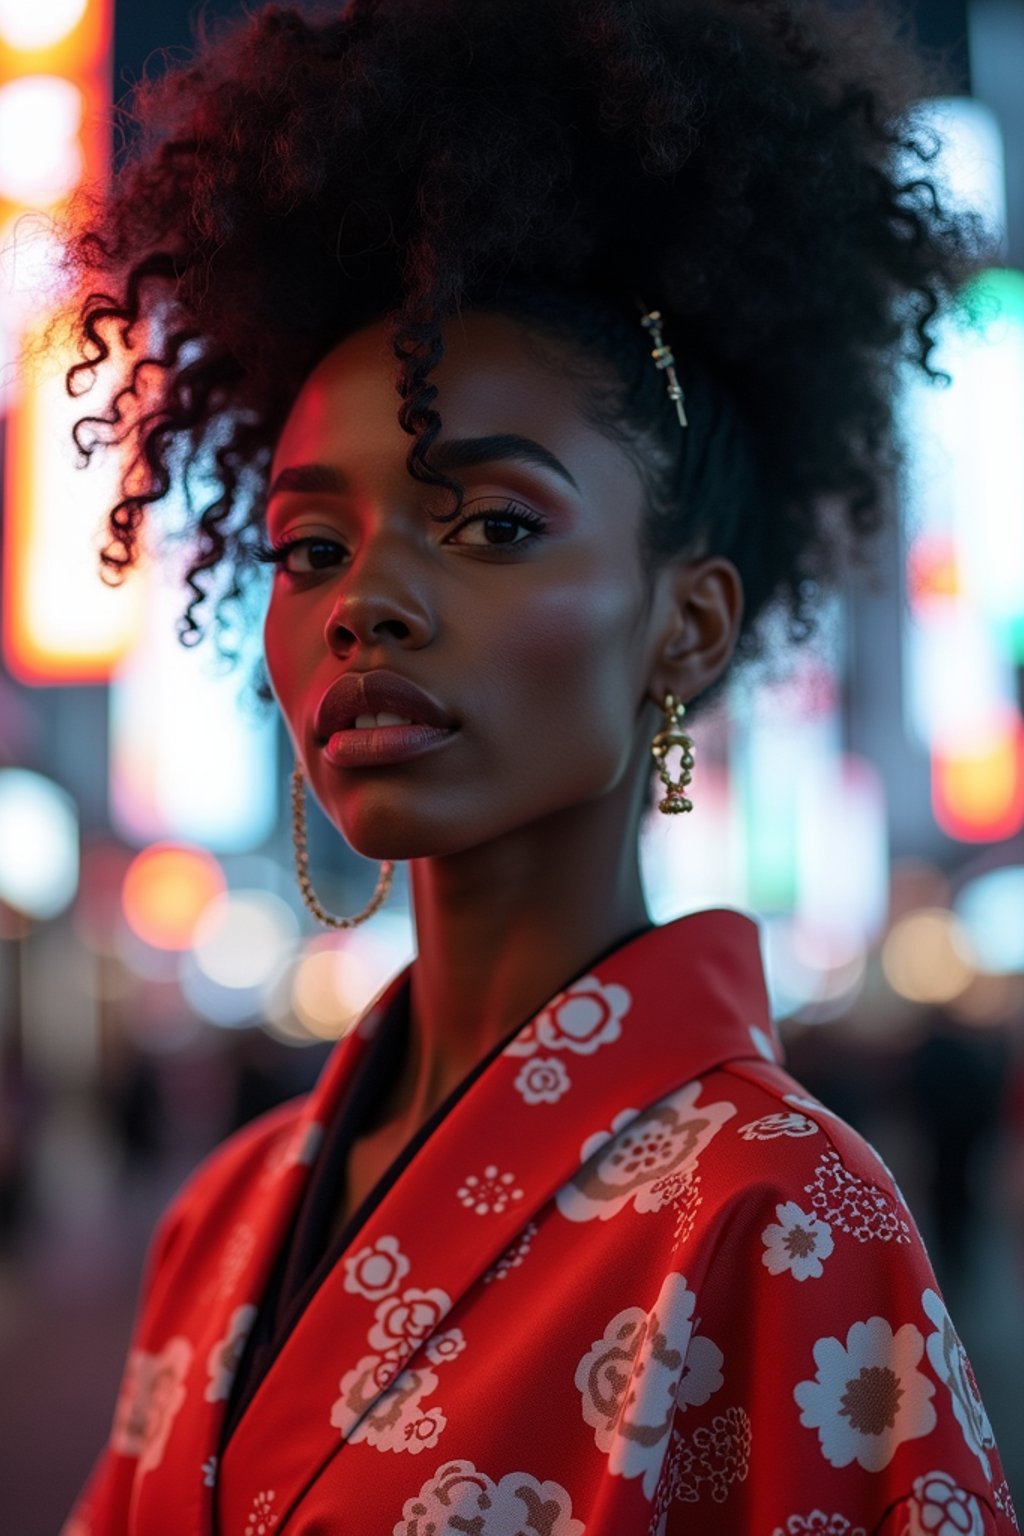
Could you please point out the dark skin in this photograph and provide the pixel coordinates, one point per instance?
(548, 648)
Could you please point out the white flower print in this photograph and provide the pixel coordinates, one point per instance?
(377, 1271)
(864, 1211)
(261, 1517)
(152, 1392)
(581, 1019)
(423, 1433)
(797, 1242)
(687, 1203)
(817, 1523)
(1004, 1503)
(950, 1363)
(386, 1420)
(403, 1322)
(632, 1379)
(770, 1127)
(706, 1463)
(542, 1080)
(514, 1254)
(445, 1346)
(210, 1472)
(491, 1193)
(941, 1508)
(458, 1498)
(222, 1361)
(762, 1043)
(869, 1397)
(629, 1162)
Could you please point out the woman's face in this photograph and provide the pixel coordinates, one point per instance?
(536, 637)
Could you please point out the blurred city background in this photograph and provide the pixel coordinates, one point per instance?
(160, 982)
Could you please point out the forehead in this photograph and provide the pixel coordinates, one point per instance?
(491, 379)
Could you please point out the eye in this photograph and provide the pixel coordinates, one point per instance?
(302, 557)
(500, 527)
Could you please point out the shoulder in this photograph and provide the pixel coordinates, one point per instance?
(260, 1153)
(782, 1140)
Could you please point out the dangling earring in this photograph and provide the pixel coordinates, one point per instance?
(671, 735)
(383, 885)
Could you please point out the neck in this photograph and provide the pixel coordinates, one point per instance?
(500, 929)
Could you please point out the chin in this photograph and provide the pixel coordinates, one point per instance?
(392, 831)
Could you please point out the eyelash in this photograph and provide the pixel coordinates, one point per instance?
(524, 517)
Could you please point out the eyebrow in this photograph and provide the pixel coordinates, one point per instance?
(453, 454)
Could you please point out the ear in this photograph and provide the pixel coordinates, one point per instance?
(703, 606)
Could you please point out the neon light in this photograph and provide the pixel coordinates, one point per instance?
(41, 156)
(978, 790)
(964, 634)
(61, 623)
(186, 763)
(969, 169)
(962, 501)
(41, 24)
(842, 858)
(932, 572)
(38, 844)
(694, 860)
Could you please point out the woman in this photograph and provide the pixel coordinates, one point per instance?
(556, 1244)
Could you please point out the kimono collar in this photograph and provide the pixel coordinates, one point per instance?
(694, 986)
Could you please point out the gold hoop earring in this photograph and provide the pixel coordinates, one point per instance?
(383, 886)
(672, 735)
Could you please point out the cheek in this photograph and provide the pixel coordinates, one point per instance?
(566, 665)
(288, 655)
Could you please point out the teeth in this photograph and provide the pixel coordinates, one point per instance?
(366, 722)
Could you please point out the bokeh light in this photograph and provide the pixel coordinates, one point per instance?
(991, 908)
(41, 156)
(335, 978)
(38, 844)
(808, 976)
(166, 888)
(31, 24)
(321, 998)
(243, 938)
(926, 956)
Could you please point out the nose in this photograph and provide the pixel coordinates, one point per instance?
(375, 603)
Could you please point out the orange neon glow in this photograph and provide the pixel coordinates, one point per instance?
(932, 572)
(166, 888)
(978, 797)
(85, 45)
(61, 624)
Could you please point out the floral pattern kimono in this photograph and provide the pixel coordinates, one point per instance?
(633, 1281)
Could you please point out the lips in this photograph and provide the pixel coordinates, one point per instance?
(371, 693)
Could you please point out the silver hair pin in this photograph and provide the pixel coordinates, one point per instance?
(651, 321)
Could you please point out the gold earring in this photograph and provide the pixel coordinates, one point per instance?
(381, 890)
(671, 735)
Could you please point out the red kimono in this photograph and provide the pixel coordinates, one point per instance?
(632, 1281)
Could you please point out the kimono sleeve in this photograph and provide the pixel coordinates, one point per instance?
(102, 1507)
(187, 1245)
(847, 1404)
